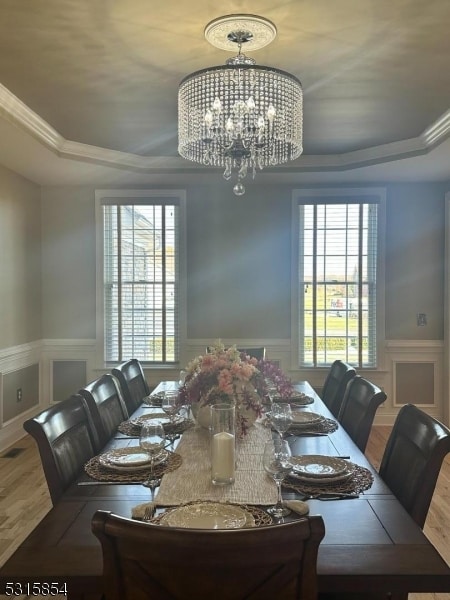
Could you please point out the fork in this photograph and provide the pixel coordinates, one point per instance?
(149, 512)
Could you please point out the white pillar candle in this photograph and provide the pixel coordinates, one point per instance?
(222, 458)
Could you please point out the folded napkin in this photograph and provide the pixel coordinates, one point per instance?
(298, 506)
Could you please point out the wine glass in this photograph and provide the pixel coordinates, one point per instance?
(171, 407)
(281, 417)
(151, 441)
(277, 462)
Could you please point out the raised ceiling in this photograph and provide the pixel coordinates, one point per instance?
(99, 79)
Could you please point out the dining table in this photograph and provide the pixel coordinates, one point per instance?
(371, 543)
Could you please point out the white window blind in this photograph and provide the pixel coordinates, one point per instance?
(337, 282)
(141, 281)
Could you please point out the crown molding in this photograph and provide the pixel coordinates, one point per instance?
(15, 111)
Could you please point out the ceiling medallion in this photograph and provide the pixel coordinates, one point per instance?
(240, 116)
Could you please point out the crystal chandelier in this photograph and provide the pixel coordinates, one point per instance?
(240, 116)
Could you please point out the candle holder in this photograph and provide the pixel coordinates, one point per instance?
(222, 444)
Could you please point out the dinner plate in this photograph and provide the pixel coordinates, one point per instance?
(156, 418)
(305, 418)
(130, 459)
(315, 466)
(208, 515)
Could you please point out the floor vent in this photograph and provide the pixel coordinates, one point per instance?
(13, 452)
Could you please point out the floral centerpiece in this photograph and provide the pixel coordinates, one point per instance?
(228, 375)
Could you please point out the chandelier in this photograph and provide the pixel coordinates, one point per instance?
(240, 116)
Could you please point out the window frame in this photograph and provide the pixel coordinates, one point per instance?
(142, 196)
(338, 195)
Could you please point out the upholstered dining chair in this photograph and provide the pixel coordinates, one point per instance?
(359, 405)
(106, 405)
(142, 561)
(412, 459)
(133, 385)
(66, 439)
(333, 390)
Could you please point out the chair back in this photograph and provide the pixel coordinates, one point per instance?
(413, 458)
(141, 560)
(258, 353)
(360, 403)
(339, 374)
(132, 382)
(66, 439)
(106, 405)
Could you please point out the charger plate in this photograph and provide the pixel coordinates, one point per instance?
(255, 515)
(300, 418)
(97, 471)
(357, 481)
(298, 399)
(318, 466)
(132, 427)
(208, 515)
(130, 459)
(156, 418)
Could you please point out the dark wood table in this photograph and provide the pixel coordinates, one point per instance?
(371, 543)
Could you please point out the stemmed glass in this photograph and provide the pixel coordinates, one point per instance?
(171, 407)
(281, 417)
(152, 441)
(277, 461)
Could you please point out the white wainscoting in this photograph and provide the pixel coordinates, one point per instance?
(46, 352)
(14, 359)
(421, 353)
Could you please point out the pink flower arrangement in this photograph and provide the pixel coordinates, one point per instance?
(225, 374)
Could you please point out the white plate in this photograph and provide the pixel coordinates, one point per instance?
(208, 515)
(316, 466)
(306, 418)
(156, 418)
(129, 459)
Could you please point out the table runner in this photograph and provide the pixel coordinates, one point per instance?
(192, 481)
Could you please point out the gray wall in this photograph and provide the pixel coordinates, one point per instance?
(20, 256)
(415, 245)
(238, 262)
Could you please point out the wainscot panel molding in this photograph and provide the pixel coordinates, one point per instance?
(66, 350)
(13, 359)
(416, 372)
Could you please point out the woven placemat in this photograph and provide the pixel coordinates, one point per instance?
(133, 429)
(361, 479)
(325, 425)
(259, 515)
(97, 471)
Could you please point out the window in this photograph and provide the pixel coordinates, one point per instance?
(140, 292)
(337, 280)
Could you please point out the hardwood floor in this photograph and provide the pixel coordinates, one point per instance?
(24, 499)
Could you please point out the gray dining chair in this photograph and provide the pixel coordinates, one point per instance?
(359, 405)
(66, 438)
(133, 384)
(106, 405)
(141, 560)
(333, 390)
(412, 459)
